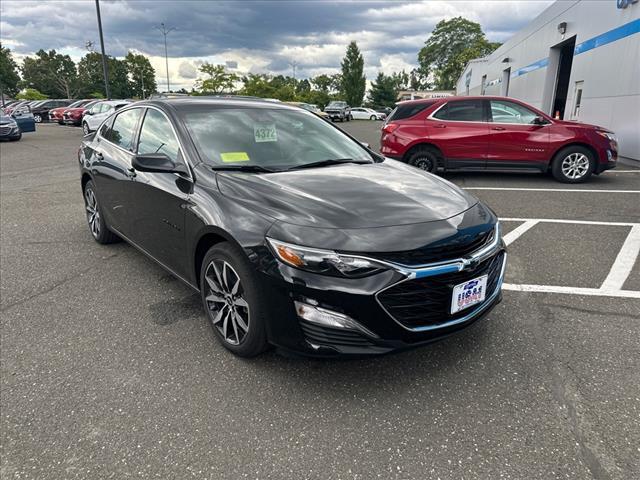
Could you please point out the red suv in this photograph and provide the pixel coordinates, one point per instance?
(482, 133)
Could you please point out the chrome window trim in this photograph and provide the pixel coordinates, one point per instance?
(131, 106)
(99, 135)
(473, 313)
(431, 117)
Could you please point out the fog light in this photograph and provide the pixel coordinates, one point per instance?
(609, 155)
(329, 318)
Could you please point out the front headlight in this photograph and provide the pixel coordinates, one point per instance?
(326, 262)
(607, 135)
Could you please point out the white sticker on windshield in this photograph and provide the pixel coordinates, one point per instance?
(265, 132)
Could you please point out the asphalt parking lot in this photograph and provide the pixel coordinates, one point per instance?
(109, 369)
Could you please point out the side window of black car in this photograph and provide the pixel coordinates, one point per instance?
(461, 111)
(156, 136)
(124, 128)
(105, 129)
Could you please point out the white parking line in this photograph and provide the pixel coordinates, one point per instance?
(562, 220)
(624, 261)
(573, 190)
(514, 234)
(595, 292)
(620, 270)
(623, 171)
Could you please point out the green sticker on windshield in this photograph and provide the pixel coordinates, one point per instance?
(265, 132)
(230, 157)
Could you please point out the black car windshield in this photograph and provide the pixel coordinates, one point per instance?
(272, 138)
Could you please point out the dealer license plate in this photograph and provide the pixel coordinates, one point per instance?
(469, 293)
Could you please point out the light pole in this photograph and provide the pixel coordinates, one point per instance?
(105, 68)
(165, 31)
(294, 64)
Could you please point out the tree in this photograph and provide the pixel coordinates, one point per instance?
(419, 80)
(219, 80)
(384, 91)
(90, 75)
(91, 80)
(31, 94)
(119, 83)
(51, 73)
(442, 53)
(353, 80)
(9, 77)
(141, 75)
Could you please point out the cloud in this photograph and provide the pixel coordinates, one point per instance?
(263, 36)
(187, 70)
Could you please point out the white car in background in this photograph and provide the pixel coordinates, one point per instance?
(98, 112)
(361, 113)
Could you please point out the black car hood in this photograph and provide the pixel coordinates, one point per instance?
(348, 196)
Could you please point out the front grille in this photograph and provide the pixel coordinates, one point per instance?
(440, 251)
(427, 301)
(5, 129)
(319, 335)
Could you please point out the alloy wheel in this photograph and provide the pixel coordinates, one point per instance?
(423, 163)
(575, 165)
(225, 299)
(85, 128)
(37, 118)
(93, 212)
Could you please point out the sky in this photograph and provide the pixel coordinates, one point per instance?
(261, 36)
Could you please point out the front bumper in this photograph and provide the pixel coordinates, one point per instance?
(8, 131)
(385, 328)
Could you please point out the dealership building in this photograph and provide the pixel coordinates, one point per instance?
(578, 60)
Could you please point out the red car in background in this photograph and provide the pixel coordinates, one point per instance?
(73, 115)
(483, 133)
(55, 115)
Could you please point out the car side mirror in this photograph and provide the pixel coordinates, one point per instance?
(88, 112)
(156, 162)
(540, 120)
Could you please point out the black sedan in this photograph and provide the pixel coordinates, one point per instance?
(294, 233)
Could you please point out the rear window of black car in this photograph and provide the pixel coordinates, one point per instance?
(408, 111)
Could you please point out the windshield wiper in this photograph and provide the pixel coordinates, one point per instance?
(244, 168)
(331, 161)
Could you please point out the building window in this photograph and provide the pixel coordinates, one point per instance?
(577, 99)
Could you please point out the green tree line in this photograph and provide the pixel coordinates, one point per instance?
(49, 74)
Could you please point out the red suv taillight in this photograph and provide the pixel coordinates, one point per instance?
(389, 128)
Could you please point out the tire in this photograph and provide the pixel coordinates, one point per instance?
(60, 122)
(425, 158)
(95, 218)
(372, 117)
(37, 118)
(234, 300)
(85, 128)
(573, 164)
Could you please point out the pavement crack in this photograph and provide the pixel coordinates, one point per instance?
(567, 396)
(52, 287)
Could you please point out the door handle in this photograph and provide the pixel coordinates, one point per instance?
(498, 128)
(439, 125)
